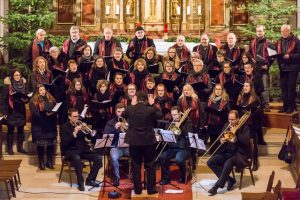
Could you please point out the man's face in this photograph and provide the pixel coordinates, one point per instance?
(73, 67)
(180, 41)
(150, 85)
(260, 32)
(74, 34)
(41, 36)
(140, 34)
(197, 67)
(232, 119)
(73, 117)
(160, 91)
(285, 32)
(119, 111)
(119, 79)
(108, 34)
(231, 39)
(248, 69)
(118, 55)
(204, 40)
(226, 69)
(175, 115)
(131, 90)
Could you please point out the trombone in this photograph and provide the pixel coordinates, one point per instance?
(124, 124)
(85, 128)
(228, 133)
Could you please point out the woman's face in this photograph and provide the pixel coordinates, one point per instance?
(245, 59)
(118, 55)
(73, 67)
(150, 54)
(220, 58)
(103, 88)
(150, 85)
(172, 53)
(42, 91)
(187, 92)
(78, 86)
(131, 90)
(246, 88)
(140, 66)
(218, 90)
(17, 76)
(226, 69)
(160, 91)
(87, 51)
(248, 69)
(197, 67)
(119, 79)
(99, 63)
(54, 54)
(41, 64)
(169, 68)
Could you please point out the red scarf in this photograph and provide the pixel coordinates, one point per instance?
(185, 53)
(194, 114)
(264, 50)
(210, 54)
(37, 78)
(125, 65)
(221, 106)
(143, 47)
(36, 49)
(165, 75)
(74, 99)
(291, 45)
(193, 78)
(101, 47)
(222, 78)
(10, 98)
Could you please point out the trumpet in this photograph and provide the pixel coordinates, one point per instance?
(124, 124)
(229, 133)
(85, 128)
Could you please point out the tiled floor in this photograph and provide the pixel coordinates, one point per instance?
(43, 185)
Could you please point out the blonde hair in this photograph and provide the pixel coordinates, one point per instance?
(35, 63)
(224, 95)
(189, 87)
(140, 60)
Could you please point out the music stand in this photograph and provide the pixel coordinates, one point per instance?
(105, 142)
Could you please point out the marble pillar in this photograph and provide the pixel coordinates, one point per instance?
(168, 11)
(3, 28)
(121, 22)
(184, 24)
(298, 13)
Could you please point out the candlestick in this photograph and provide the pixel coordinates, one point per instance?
(188, 10)
(107, 10)
(128, 10)
(199, 10)
(117, 9)
(178, 10)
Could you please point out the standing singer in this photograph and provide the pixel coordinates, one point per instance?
(141, 139)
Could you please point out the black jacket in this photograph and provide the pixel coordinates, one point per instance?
(110, 129)
(141, 122)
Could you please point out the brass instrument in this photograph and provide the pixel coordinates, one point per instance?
(85, 128)
(124, 124)
(176, 128)
(228, 133)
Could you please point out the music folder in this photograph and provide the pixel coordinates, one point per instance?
(272, 52)
(1, 118)
(55, 108)
(122, 71)
(199, 86)
(153, 68)
(260, 60)
(50, 86)
(213, 111)
(170, 84)
(196, 142)
(96, 105)
(105, 141)
(121, 142)
(85, 67)
(57, 71)
(20, 95)
(233, 62)
(84, 111)
(214, 72)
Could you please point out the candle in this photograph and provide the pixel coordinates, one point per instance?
(127, 9)
(107, 9)
(117, 10)
(165, 27)
(188, 10)
(199, 10)
(178, 10)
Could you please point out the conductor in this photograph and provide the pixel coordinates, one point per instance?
(141, 139)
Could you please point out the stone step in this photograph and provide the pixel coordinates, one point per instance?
(275, 119)
(276, 105)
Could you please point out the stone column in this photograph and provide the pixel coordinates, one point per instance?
(121, 20)
(137, 11)
(168, 12)
(298, 13)
(183, 29)
(3, 28)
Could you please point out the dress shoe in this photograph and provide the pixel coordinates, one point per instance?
(214, 190)
(42, 166)
(290, 110)
(164, 181)
(10, 152)
(92, 183)
(255, 165)
(49, 165)
(21, 150)
(137, 191)
(150, 192)
(80, 187)
(230, 184)
(116, 182)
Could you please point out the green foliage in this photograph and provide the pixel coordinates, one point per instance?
(270, 13)
(23, 19)
(187, 39)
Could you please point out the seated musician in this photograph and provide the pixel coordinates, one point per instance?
(74, 147)
(116, 126)
(179, 150)
(230, 154)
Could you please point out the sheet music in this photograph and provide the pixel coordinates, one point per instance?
(83, 113)
(1, 118)
(104, 142)
(121, 142)
(30, 94)
(168, 136)
(56, 107)
(297, 130)
(271, 52)
(157, 135)
(108, 76)
(196, 142)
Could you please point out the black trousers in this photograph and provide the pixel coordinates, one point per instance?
(75, 159)
(288, 88)
(138, 155)
(222, 165)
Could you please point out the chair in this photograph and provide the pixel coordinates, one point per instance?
(188, 166)
(123, 160)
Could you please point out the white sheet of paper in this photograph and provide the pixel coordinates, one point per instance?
(168, 136)
(56, 107)
(170, 191)
(271, 52)
(196, 142)
(83, 113)
(121, 140)
(104, 142)
(1, 118)
(30, 94)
